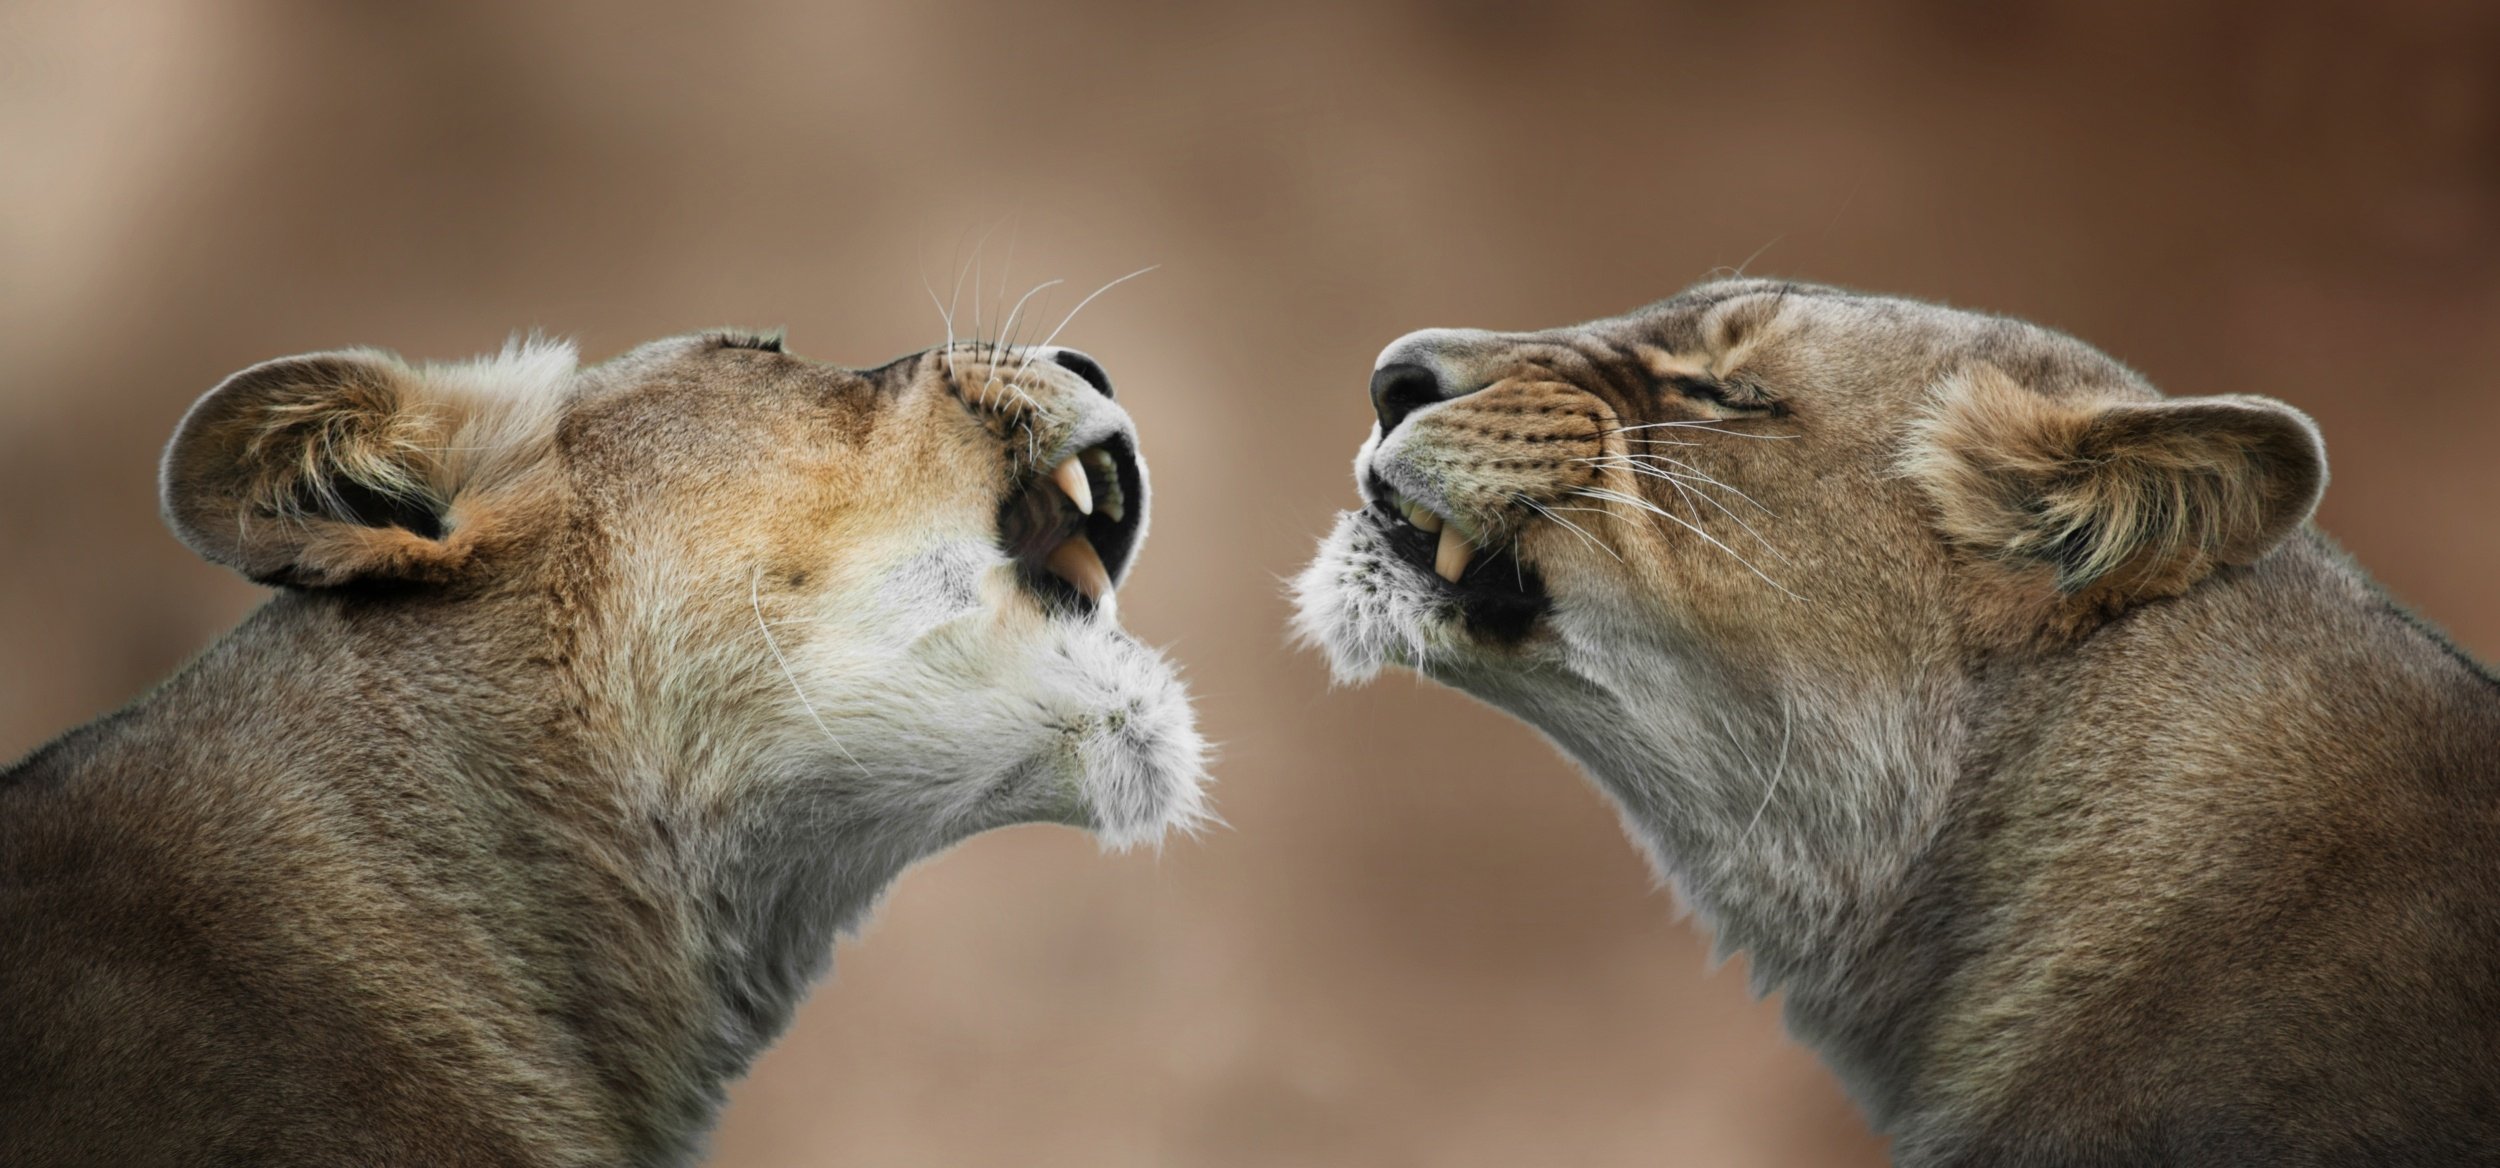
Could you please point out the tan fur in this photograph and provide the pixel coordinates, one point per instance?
(596, 703)
(2121, 501)
(2085, 805)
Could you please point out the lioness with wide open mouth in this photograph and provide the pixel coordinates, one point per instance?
(594, 704)
(2086, 805)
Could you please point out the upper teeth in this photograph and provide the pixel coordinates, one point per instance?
(1075, 560)
(1415, 512)
(1071, 480)
(1449, 561)
(1114, 502)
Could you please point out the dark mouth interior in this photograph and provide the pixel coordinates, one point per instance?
(1499, 596)
(1036, 518)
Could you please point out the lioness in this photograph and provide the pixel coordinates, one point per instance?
(593, 705)
(2086, 805)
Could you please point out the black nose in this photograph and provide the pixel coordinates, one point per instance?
(1085, 367)
(1399, 390)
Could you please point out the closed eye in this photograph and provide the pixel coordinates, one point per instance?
(1735, 399)
(760, 342)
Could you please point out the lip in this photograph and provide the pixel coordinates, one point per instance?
(1071, 559)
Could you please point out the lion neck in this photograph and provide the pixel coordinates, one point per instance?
(1788, 810)
(1865, 839)
(670, 902)
(1786, 814)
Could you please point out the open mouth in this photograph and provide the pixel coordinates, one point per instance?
(1499, 595)
(1072, 530)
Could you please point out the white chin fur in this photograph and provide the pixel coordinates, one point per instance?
(935, 704)
(954, 705)
(1365, 608)
(1130, 736)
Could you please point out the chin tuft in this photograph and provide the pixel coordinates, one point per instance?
(1141, 768)
(1361, 607)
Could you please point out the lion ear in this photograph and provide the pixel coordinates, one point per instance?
(336, 467)
(2119, 501)
(311, 470)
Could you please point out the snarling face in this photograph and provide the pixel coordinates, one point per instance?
(1691, 470)
(1764, 484)
(1751, 554)
(883, 600)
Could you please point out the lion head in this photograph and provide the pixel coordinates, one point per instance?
(885, 595)
(806, 623)
(1748, 553)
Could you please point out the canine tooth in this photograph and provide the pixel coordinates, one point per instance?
(1451, 560)
(1417, 515)
(1071, 479)
(1076, 562)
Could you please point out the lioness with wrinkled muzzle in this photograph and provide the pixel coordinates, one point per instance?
(595, 703)
(2087, 806)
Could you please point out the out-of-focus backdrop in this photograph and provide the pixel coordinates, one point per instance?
(1422, 940)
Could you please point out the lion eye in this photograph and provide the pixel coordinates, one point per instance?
(1741, 399)
(1699, 387)
(760, 342)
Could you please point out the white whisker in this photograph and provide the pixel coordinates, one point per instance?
(1757, 252)
(1007, 269)
(1696, 424)
(1574, 528)
(1025, 352)
(1686, 485)
(1691, 473)
(1089, 299)
(973, 268)
(943, 315)
(1010, 323)
(980, 248)
(755, 597)
(1654, 509)
(1787, 727)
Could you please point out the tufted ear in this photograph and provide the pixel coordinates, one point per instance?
(334, 467)
(2120, 500)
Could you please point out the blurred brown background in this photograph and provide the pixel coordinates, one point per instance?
(1423, 941)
